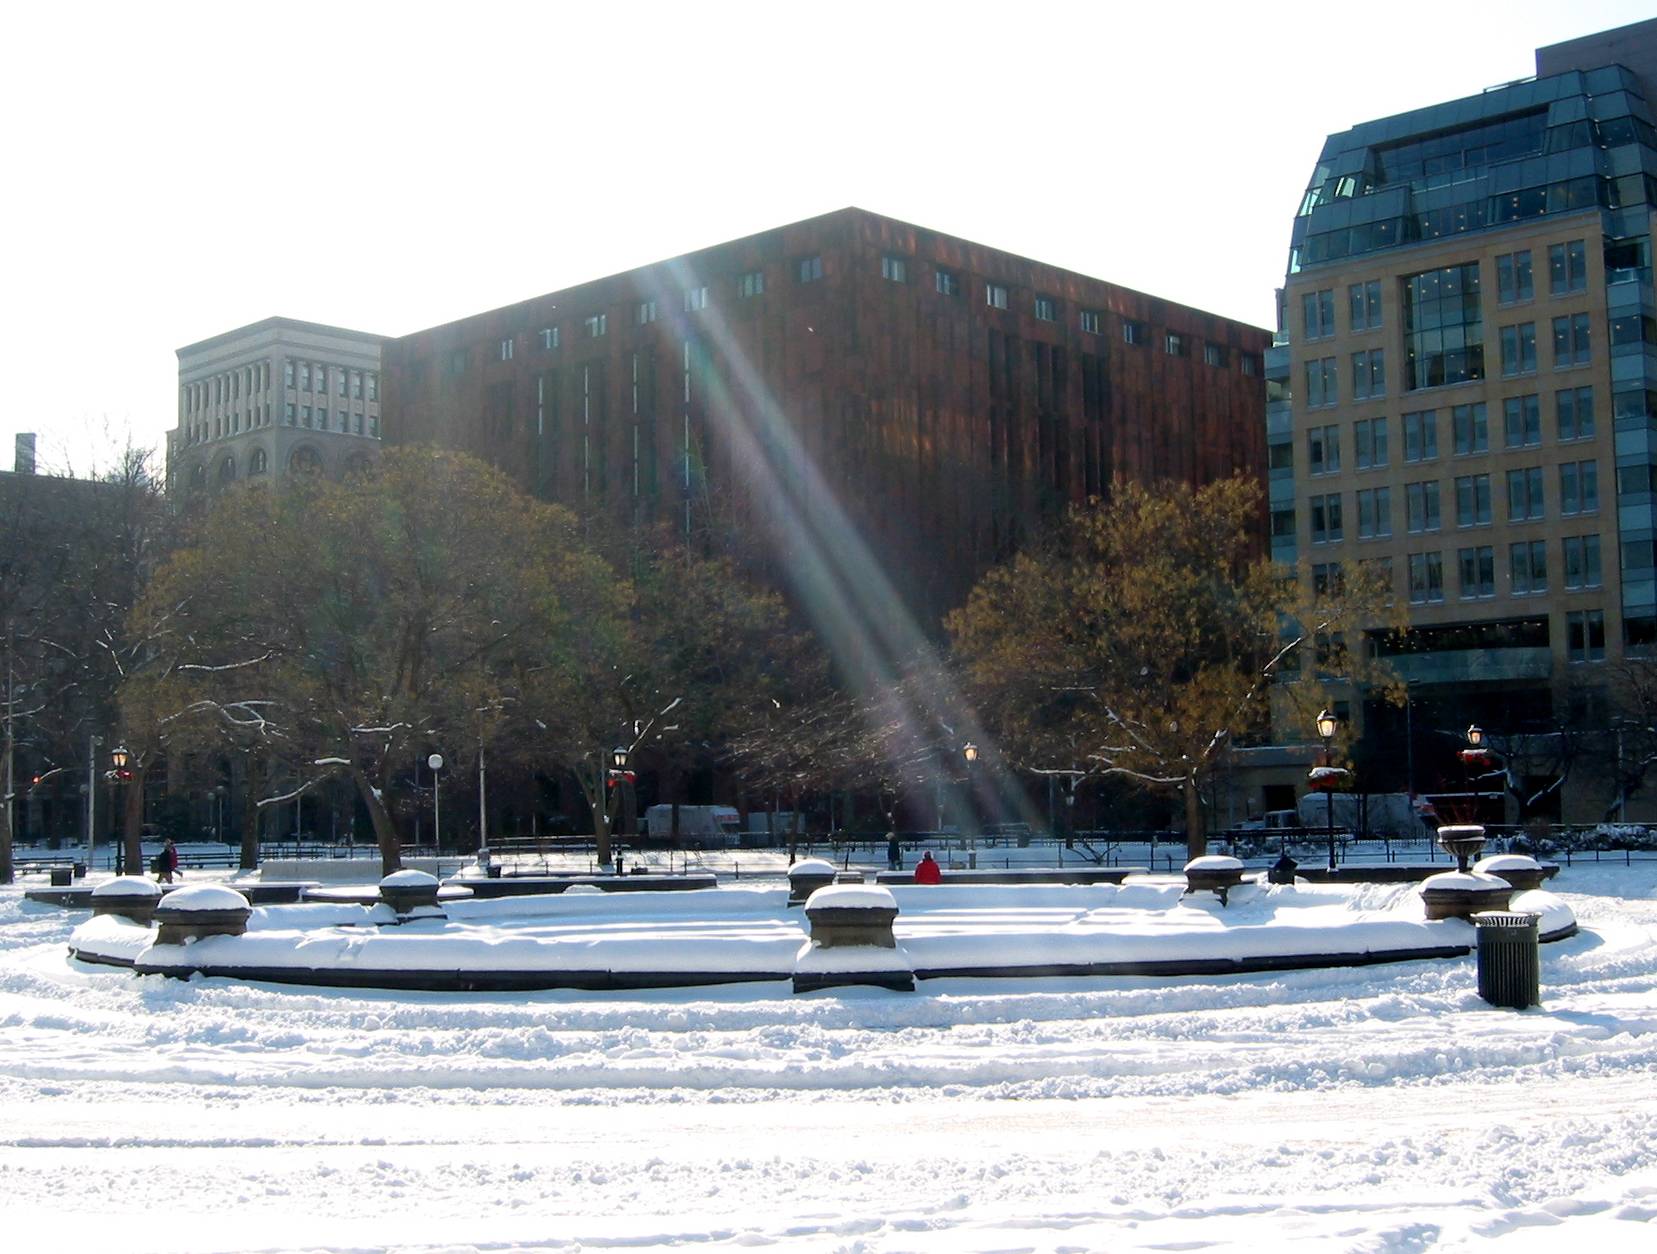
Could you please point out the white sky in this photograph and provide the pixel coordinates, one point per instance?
(177, 170)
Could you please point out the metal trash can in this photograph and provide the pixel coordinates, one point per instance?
(1509, 957)
(59, 876)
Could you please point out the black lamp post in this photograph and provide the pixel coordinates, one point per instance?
(969, 751)
(118, 759)
(435, 762)
(1327, 724)
(619, 776)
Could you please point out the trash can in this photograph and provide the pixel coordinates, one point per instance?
(1509, 957)
(60, 875)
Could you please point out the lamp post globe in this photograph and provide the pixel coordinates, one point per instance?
(618, 758)
(435, 761)
(1327, 723)
(119, 757)
(1475, 735)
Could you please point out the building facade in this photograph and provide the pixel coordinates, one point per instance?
(854, 391)
(271, 398)
(1464, 393)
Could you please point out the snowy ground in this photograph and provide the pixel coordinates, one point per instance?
(1371, 1109)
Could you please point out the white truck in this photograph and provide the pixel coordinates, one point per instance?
(1376, 813)
(699, 826)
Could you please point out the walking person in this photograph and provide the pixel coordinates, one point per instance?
(166, 862)
(894, 852)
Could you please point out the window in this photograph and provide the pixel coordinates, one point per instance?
(1327, 579)
(810, 269)
(288, 415)
(1369, 374)
(287, 374)
(1326, 519)
(948, 282)
(1323, 450)
(549, 341)
(1522, 421)
(995, 296)
(1585, 635)
(1578, 487)
(457, 363)
(1175, 346)
(258, 462)
(596, 325)
(1527, 567)
(506, 355)
(1090, 321)
(374, 425)
(1280, 460)
(1574, 413)
(1567, 267)
(304, 415)
(1317, 314)
(1519, 349)
(321, 417)
(1047, 309)
(339, 375)
(645, 312)
(1421, 436)
(1133, 332)
(1364, 305)
(894, 268)
(695, 298)
(1283, 526)
(1322, 385)
(1250, 363)
(1421, 506)
(1582, 562)
(1426, 578)
(304, 379)
(1374, 513)
(1472, 430)
(750, 284)
(1472, 500)
(1513, 280)
(1478, 571)
(1570, 341)
(1443, 327)
(356, 385)
(1524, 494)
(1214, 355)
(1369, 437)
(374, 382)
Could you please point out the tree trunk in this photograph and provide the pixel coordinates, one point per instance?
(597, 795)
(132, 819)
(385, 831)
(1196, 830)
(250, 814)
(7, 788)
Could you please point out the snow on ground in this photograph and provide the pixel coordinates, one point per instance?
(1372, 1109)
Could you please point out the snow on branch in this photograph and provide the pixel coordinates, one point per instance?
(228, 666)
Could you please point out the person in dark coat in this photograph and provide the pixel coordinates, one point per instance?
(894, 852)
(167, 862)
(927, 870)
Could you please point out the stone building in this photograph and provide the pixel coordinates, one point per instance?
(272, 398)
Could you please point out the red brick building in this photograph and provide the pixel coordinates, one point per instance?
(867, 396)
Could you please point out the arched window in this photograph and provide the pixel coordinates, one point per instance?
(198, 476)
(227, 470)
(305, 460)
(357, 464)
(258, 463)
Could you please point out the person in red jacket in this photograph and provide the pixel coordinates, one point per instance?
(927, 870)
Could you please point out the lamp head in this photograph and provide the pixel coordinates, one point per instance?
(118, 757)
(970, 752)
(618, 757)
(1475, 735)
(1327, 723)
(435, 761)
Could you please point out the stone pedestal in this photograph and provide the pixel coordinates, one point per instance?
(851, 941)
(130, 896)
(1462, 894)
(201, 910)
(407, 891)
(1462, 841)
(1520, 870)
(1214, 873)
(806, 877)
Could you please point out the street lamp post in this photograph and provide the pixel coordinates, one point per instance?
(118, 758)
(970, 752)
(218, 813)
(1327, 724)
(621, 779)
(435, 761)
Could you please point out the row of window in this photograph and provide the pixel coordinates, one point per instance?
(1578, 494)
(1567, 273)
(317, 418)
(894, 269)
(303, 376)
(1571, 345)
(1573, 420)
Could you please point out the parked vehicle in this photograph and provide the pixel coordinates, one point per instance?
(1274, 821)
(699, 826)
(1394, 814)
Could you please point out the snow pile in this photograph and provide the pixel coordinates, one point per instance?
(1465, 882)
(128, 886)
(851, 897)
(408, 877)
(812, 867)
(1214, 862)
(202, 897)
(1506, 862)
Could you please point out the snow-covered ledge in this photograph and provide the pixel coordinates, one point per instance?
(852, 941)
